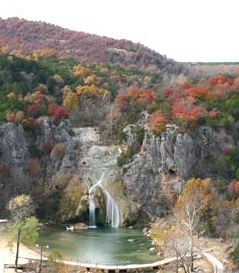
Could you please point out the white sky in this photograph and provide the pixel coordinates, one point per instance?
(183, 30)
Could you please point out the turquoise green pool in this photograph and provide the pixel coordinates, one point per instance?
(118, 246)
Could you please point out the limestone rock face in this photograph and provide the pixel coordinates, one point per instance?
(13, 145)
(14, 155)
(28, 156)
(166, 162)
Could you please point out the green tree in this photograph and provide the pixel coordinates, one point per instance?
(22, 225)
(234, 255)
(227, 164)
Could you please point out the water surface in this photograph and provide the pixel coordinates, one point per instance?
(118, 246)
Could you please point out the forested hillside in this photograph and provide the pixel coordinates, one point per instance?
(31, 88)
(22, 37)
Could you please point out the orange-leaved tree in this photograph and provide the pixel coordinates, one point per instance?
(157, 122)
(186, 110)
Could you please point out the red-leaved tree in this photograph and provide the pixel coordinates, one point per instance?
(57, 112)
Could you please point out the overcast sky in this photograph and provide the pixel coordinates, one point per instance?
(183, 30)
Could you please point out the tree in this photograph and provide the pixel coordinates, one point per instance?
(71, 101)
(233, 189)
(21, 209)
(227, 164)
(79, 70)
(57, 112)
(185, 109)
(113, 119)
(189, 211)
(178, 244)
(227, 219)
(179, 236)
(157, 122)
(69, 204)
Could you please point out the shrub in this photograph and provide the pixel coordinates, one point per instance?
(4, 170)
(34, 166)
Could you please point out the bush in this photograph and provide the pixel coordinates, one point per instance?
(234, 255)
(126, 156)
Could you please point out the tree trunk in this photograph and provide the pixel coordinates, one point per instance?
(17, 252)
(191, 252)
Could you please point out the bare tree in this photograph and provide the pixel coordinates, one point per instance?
(178, 245)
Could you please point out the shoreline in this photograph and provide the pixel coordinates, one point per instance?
(7, 255)
(26, 254)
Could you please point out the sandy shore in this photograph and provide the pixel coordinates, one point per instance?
(8, 257)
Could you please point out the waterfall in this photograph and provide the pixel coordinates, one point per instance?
(92, 203)
(112, 211)
(92, 213)
(100, 167)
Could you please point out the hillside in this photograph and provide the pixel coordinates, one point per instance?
(23, 37)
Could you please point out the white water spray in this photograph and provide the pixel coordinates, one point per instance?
(102, 162)
(112, 211)
(92, 203)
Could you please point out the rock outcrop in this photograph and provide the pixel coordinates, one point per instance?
(164, 163)
(30, 156)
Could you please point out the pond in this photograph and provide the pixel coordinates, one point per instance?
(109, 246)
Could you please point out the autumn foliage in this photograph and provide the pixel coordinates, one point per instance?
(233, 188)
(183, 104)
(157, 122)
(57, 112)
(34, 166)
(190, 102)
(185, 109)
(71, 101)
(143, 97)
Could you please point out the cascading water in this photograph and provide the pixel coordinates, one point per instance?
(112, 211)
(92, 213)
(92, 204)
(100, 170)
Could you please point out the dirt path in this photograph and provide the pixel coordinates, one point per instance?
(218, 249)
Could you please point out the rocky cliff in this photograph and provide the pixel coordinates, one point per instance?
(42, 163)
(30, 160)
(157, 174)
